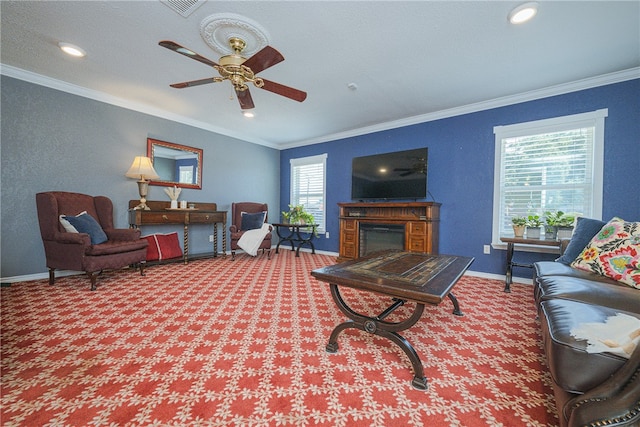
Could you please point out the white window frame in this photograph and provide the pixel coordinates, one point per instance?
(294, 198)
(594, 119)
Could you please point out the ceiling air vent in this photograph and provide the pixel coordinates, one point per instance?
(183, 7)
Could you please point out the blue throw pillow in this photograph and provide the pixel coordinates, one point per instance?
(251, 221)
(585, 229)
(85, 223)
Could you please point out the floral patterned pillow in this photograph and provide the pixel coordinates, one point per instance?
(614, 252)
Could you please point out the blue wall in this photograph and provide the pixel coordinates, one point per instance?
(461, 166)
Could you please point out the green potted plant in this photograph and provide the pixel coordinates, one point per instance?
(552, 219)
(297, 215)
(565, 226)
(533, 226)
(518, 223)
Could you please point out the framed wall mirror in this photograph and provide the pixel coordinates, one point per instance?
(176, 164)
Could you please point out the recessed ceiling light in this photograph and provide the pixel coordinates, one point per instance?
(523, 13)
(248, 113)
(71, 49)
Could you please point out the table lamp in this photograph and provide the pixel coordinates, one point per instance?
(142, 169)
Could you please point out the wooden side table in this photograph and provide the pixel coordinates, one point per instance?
(548, 246)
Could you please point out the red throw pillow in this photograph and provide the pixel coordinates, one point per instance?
(168, 245)
(152, 248)
(163, 246)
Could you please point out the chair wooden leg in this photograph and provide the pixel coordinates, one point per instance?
(52, 276)
(142, 265)
(233, 255)
(93, 277)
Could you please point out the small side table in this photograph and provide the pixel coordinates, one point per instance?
(549, 246)
(295, 236)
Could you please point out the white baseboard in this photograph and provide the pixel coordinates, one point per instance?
(63, 273)
(38, 276)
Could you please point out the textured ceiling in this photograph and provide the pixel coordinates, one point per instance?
(409, 60)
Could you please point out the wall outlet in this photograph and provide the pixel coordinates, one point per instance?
(487, 249)
(326, 235)
(210, 238)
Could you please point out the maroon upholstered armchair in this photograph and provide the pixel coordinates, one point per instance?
(75, 251)
(236, 230)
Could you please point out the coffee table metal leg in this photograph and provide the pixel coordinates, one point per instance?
(456, 306)
(377, 326)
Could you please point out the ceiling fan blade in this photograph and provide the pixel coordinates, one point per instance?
(186, 52)
(245, 100)
(289, 92)
(265, 58)
(192, 83)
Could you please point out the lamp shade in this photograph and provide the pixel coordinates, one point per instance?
(142, 169)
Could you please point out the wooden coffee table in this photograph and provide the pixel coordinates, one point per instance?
(403, 276)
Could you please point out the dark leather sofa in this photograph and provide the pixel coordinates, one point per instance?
(591, 389)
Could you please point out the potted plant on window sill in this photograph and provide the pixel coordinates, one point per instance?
(518, 223)
(552, 219)
(565, 226)
(533, 226)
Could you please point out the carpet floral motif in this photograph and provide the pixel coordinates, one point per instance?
(242, 343)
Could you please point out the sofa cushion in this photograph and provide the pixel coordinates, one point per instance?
(552, 268)
(614, 252)
(571, 367)
(85, 223)
(585, 229)
(613, 294)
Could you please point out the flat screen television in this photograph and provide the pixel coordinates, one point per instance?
(396, 175)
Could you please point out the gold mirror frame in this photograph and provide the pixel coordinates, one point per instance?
(162, 153)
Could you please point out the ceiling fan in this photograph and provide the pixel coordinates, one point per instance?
(240, 71)
(420, 168)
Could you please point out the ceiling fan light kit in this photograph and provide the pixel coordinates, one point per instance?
(232, 65)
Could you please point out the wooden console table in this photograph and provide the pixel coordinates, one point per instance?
(160, 213)
(420, 220)
(550, 245)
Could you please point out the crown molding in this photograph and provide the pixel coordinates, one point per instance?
(63, 86)
(588, 83)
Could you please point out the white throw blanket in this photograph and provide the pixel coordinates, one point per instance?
(619, 334)
(251, 239)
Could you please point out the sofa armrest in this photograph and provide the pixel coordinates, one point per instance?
(233, 228)
(616, 402)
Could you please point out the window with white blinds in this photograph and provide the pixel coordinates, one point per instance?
(548, 165)
(308, 186)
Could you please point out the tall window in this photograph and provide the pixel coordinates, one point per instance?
(547, 165)
(308, 176)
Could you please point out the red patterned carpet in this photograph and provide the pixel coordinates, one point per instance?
(222, 343)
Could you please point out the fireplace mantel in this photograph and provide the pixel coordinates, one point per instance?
(421, 222)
